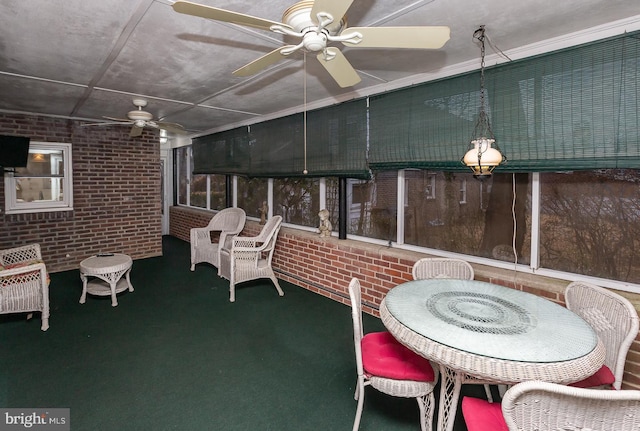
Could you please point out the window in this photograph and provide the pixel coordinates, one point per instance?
(297, 200)
(183, 158)
(590, 223)
(45, 184)
(252, 193)
(217, 192)
(482, 227)
(200, 191)
(372, 206)
(582, 222)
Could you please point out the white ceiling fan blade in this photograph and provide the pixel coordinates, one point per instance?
(430, 37)
(336, 8)
(339, 67)
(122, 120)
(217, 14)
(135, 131)
(266, 60)
(172, 127)
(106, 123)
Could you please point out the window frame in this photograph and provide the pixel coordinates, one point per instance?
(463, 191)
(463, 187)
(12, 206)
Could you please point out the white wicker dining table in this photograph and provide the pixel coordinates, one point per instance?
(474, 329)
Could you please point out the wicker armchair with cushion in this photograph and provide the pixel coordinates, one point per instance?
(385, 364)
(544, 406)
(228, 222)
(249, 258)
(24, 282)
(616, 322)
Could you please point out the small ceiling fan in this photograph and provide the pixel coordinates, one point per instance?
(140, 119)
(318, 23)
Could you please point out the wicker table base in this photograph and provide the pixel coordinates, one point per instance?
(107, 272)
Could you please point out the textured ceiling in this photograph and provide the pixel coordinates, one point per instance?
(88, 59)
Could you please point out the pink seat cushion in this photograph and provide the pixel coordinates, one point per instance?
(481, 415)
(384, 356)
(602, 377)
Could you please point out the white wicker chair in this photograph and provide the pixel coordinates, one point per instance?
(616, 322)
(439, 267)
(24, 282)
(229, 222)
(544, 406)
(421, 390)
(249, 258)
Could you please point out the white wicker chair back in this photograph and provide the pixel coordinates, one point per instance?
(613, 318)
(229, 222)
(436, 267)
(544, 406)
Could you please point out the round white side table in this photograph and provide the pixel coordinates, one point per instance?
(106, 271)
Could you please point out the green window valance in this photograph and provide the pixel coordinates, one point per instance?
(225, 153)
(336, 146)
(568, 110)
(571, 109)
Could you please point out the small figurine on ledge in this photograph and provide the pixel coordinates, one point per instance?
(264, 210)
(325, 225)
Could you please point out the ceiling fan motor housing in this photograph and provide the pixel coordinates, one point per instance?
(138, 115)
(298, 17)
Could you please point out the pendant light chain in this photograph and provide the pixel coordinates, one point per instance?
(483, 126)
(304, 116)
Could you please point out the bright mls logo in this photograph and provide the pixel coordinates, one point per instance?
(35, 419)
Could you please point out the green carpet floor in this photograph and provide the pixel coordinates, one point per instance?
(175, 354)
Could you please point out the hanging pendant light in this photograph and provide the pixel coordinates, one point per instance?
(484, 154)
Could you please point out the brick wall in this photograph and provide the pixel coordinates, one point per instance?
(116, 194)
(326, 265)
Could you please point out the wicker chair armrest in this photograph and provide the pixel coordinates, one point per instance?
(20, 254)
(247, 249)
(246, 243)
(201, 234)
(22, 269)
(226, 239)
(11, 276)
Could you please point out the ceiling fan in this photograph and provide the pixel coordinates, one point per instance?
(140, 119)
(317, 23)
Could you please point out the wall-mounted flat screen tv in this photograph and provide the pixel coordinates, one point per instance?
(14, 151)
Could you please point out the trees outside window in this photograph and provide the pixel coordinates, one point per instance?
(590, 223)
(297, 200)
(252, 192)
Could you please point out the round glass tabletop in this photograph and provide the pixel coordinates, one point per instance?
(491, 320)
